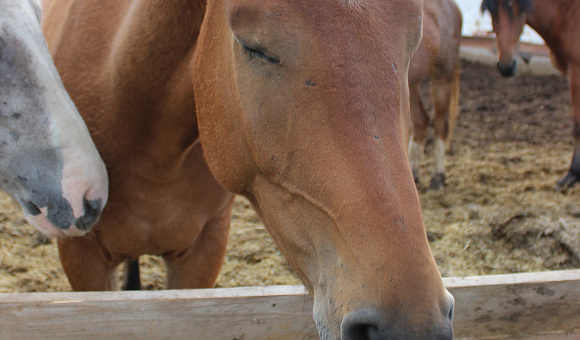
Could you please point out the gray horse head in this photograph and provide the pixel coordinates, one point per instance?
(48, 161)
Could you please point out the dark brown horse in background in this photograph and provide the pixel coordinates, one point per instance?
(295, 108)
(438, 58)
(557, 22)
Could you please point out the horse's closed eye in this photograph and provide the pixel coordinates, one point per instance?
(255, 53)
(259, 55)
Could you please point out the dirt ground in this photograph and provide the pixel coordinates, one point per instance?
(497, 214)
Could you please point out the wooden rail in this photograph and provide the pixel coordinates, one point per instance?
(525, 306)
(490, 44)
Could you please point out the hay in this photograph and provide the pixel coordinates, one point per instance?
(27, 262)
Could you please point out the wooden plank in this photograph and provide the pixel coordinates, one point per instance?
(516, 304)
(543, 306)
(539, 336)
(279, 312)
(491, 44)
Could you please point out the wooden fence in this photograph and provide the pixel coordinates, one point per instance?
(524, 306)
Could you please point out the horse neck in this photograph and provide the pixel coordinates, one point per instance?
(157, 35)
(544, 18)
(151, 62)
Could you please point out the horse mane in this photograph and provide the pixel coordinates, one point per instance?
(493, 6)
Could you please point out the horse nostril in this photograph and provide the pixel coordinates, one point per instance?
(30, 208)
(92, 212)
(451, 304)
(369, 324)
(91, 205)
(362, 332)
(361, 324)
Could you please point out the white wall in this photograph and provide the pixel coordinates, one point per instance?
(476, 24)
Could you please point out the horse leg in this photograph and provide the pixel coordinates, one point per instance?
(199, 265)
(573, 175)
(419, 124)
(85, 265)
(132, 279)
(446, 101)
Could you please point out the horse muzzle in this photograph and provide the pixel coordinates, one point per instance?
(56, 219)
(368, 324)
(509, 69)
(371, 323)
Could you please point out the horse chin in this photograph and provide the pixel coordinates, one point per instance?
(42, 224)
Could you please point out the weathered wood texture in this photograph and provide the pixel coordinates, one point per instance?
(278, 312)
(542, 306)
(517, 304)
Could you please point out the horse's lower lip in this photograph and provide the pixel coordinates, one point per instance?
(73, 231)
(42, 224)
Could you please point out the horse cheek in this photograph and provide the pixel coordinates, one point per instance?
(222, 140)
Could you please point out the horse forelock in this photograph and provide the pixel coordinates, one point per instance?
(492, 6)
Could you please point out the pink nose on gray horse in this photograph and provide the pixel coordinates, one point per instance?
(59, 220)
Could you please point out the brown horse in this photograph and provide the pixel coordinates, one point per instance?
(296, 109)
(556, 21)
(438, 58)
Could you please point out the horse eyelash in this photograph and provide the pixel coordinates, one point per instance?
(257, 54)
(251, 53)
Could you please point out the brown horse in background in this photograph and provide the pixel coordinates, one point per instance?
(296, 109)
(557, 22)
(438, 58)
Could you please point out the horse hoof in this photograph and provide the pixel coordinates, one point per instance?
(571, 178)
(437, 182)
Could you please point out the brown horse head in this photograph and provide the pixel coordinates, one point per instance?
(303, 107)
(508, 18)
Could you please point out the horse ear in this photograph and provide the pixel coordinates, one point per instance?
(483, 7)
(488, 5)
